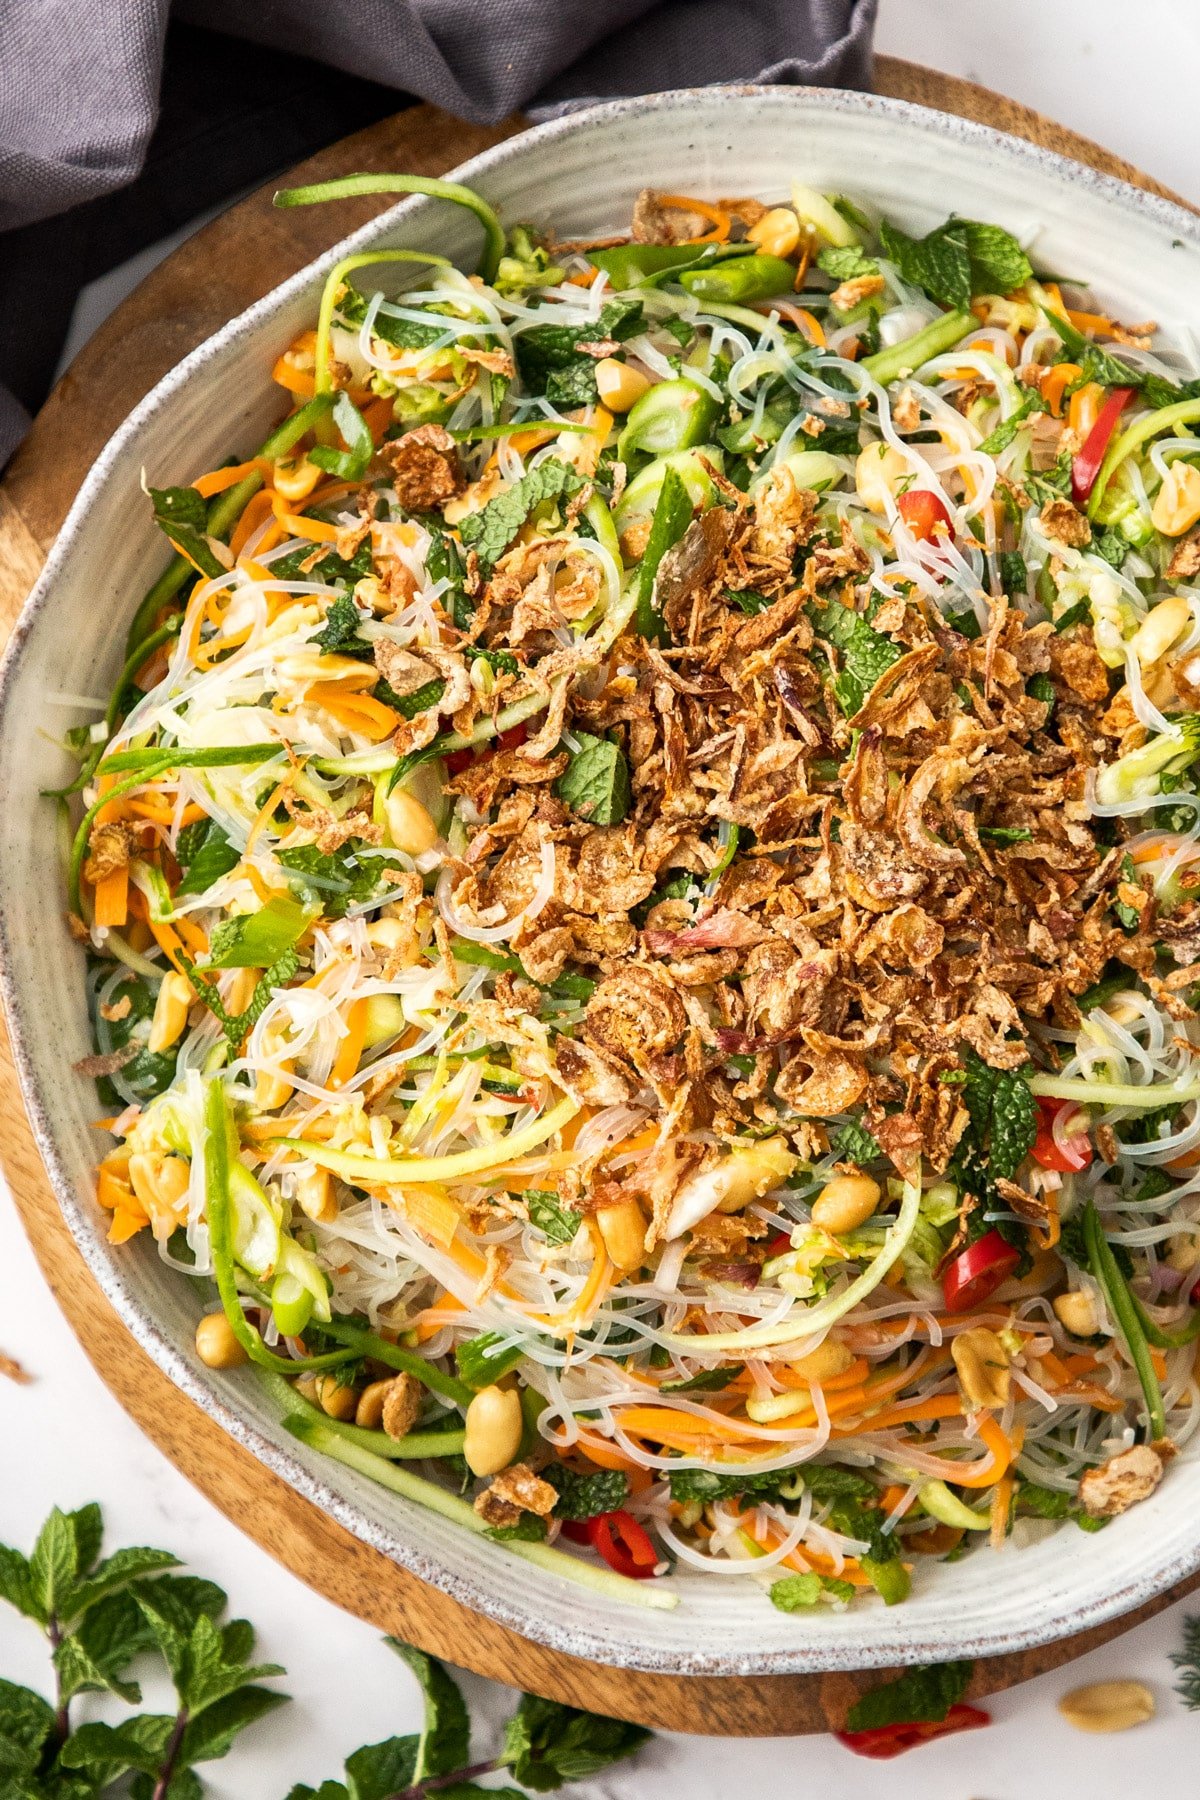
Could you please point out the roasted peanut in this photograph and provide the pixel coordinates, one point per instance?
(619, 386)
(160, 1183)
(216, 1345)
(410, 826)
(877, 473)
(777, 233)
(623, 1228)
(333, 1398)
(1160, 628)
(1108, 1706)
(494, 1428)
(823, 1363)
(845, 1202)
(983, 1367)
(1177, 502)
(170, 1013)
(314, 1194)
(1077, 1312)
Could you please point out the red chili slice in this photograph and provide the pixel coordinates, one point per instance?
(977, 1271)
(623, 1544)
(926, 516)
(894, 1740)
(1086, 466)
(512, 739)
(1075, 1152)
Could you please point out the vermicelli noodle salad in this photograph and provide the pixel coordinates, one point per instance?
(639, 886)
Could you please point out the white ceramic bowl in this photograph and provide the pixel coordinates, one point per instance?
(579, 175)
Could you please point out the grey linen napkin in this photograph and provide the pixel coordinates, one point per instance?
(79, 83)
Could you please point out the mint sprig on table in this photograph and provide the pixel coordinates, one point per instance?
(101, 1617)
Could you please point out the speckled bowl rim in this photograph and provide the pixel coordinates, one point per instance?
(810, 1655)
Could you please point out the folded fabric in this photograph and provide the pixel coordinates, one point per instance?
(79, 85)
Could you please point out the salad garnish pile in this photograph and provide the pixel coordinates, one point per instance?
(639, 891)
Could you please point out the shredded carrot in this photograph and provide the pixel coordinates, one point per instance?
(350, 1053)
(159, 813)
(357, 712)
(431, 1211)
(1053, 381)
(800, 316)
(805, 259)
(1084, 407)
(1001, 1502)
(257, 511)
(265, 810)
(217, 481)
(720, 220)
(1087, 321)
(317, 531)
(584, 277)
(112, 897)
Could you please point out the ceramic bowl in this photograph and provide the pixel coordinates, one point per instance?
(579, 175)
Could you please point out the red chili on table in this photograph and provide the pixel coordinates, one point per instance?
(1075, 1151)
(976, 1272)
(620, 1540)
(893, 1740)
(1086, 465)
(926, 515)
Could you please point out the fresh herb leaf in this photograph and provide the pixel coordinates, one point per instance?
(865, 653)
(205, 854)
(1002, 436)
(706, 1484)
(1073, 1245)
(1014, 575)
(854, 1143)
(479, 1365)
(258, 940)
(583, 1496)
(339, 635)
(351, 463)
(403, 334)
(549, 1216)
(924, 1694)
(708, 1381)
(547, 1744)
(747, 600)
(595, 783)
(446, 1733)
(308, 564)
(1003, 1111)
(965, 623)
(334, 880)
(545, 350)
(1187, 1661)
(959, 259)
(846, 262)
(490, 531)
(1127, 917)
(1004, 835)
(183, 514)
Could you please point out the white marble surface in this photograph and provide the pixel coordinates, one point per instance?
(1125, 76)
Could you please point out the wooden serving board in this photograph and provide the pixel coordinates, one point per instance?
(213, 276)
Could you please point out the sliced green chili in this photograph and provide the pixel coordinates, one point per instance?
(1124, 1309)
(904, 358)
(1183, 412)
(350, 186)
(738, 281)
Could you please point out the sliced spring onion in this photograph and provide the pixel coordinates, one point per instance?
(350, 186)
(1124, 1309)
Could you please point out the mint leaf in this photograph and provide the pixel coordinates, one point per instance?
(171, 1605)
(446, 1733)
(921, 1695)
(1003, 1113)
(16, 1583)
(1002, 436)
(595, 783)
(547, 1213)
(959, 259)
(339, 635)
(854, 1143)
(747, 600)
(547, 353)
(706, 1484)
(205, 854)
(477, 1364)
(846, 262)
(490, 531)
(1014, 574)
(183, 514)
(583, 1496)
(672, 516)
(213, 1663)
(212, 1734)
(67, 1546)
(547, 1743)
(117, 1571)
(104, 1752)
(865, 653)
(26, 1722)
(256, 940)
(379, 1770)
(184, 1784)
(1004, 835)
(334, 881)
